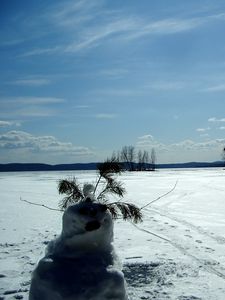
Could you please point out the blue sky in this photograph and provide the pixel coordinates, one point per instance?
(80, 79)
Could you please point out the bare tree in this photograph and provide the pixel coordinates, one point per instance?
(140, 160)
(146, 159)
(131, 156)
(143, 160)
(128, 156)
(116, 156)
(223, 155)
(153, 159)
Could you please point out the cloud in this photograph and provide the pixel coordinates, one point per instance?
(213, 119)
(31, 82)
(131, 92)
(35, 111)
(70, 13)
(87, 24)
(128, 29)
(113, 73)
(93, 36)
(29, 106)
(180, 151)
(203, 129)
(5, 123)
(42, 51)
(163, 27)
(216, 88)
(32, 100)
(11, 43)
(16, 140)
(148, 141)
(166, 86)
(106, 116)
(9, 123)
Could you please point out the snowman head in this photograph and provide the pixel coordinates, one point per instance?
(87, 224)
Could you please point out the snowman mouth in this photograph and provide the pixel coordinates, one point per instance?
(92, 225)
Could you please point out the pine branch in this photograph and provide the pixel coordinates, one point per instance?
(71, 188)
(109, 167)
(113, 187)
(106, 170)
(127, 210)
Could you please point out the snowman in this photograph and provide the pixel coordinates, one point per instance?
(81, 263)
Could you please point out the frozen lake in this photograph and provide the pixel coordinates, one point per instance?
(177, 252)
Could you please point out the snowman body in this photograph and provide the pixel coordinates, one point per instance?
(81, 263)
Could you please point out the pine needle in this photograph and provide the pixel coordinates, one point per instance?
(109, 167)
(71, 188)
(127, 210)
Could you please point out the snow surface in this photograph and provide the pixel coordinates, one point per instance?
(177, 253)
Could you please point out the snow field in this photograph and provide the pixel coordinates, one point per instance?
(177, 252)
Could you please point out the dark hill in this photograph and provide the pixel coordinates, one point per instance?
(17, 167)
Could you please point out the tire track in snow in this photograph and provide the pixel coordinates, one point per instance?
(202, 264)
(218, 239)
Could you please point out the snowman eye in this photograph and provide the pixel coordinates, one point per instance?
(103, 208)
(84, 211)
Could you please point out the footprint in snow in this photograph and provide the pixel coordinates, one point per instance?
(210, 250)
(198, 241)
(189, 236)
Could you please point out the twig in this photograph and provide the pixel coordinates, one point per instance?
(167, 193)
(149, 232)
(99, 178)
(38, 204)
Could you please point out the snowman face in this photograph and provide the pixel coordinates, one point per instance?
(93, 212)
(86, 217)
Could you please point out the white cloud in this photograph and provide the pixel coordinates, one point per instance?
(31, 100)
(18, 107)
(106, 116)
(42, 51)
(113, 73)
(9, 123)
(5, 123)
(163, 27)
(16, 140)
(31, 82)
(216, 88)
(94, 35)
(148, 141)
(70, 13)
(11, 43)
(203, 129)
(128, 29)
(166, 85)
(148, 137)
(187, 150)
(213, 119)
(76, 21)
(222, 128)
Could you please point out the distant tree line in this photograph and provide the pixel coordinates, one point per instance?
(134, 160)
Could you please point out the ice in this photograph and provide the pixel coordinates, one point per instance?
(176, 253)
